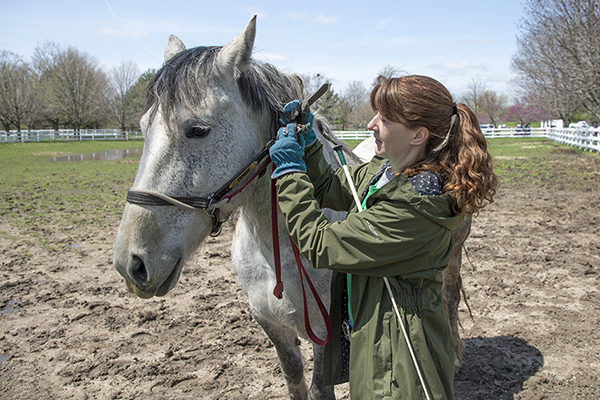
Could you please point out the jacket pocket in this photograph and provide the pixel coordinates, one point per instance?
(386, 355)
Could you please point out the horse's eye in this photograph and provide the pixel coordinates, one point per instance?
(198, 131)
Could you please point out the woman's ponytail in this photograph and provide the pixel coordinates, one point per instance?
(456, 147)
(466, 164)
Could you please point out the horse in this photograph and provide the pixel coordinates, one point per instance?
(210, 115)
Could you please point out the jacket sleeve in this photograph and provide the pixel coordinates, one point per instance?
(331, 188)
(389, 238)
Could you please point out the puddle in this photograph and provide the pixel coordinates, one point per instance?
(3, 358)
(10, 309)
(108, 155)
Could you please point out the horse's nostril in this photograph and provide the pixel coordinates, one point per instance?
(138, 272)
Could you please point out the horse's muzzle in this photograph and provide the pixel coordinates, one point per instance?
(139, 280)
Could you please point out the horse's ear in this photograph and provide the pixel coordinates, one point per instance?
(235, 55)
(174, 47)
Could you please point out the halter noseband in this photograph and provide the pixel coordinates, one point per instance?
(210, 204)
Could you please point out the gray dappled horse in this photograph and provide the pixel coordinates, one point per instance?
(210, 111)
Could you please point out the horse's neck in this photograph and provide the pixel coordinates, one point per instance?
(256, 212)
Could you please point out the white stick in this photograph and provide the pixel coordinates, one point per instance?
(410, 349)
(352, 188)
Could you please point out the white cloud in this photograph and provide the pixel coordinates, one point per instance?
(318, 19)
(297, 15)
(326, 20)
(459, 68)
(383, 23)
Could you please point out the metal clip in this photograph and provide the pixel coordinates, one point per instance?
(346, 329)
(217, 223)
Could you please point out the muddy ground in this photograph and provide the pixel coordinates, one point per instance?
(68, 329)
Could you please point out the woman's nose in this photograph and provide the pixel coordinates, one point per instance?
(371, 124)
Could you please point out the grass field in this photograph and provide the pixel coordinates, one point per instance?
(37, 191)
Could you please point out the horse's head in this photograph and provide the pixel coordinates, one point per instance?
(210, 110)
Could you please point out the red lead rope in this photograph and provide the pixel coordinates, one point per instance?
(278, 291)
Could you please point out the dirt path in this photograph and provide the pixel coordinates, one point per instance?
(68, 330)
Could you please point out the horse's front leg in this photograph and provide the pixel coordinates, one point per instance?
(287, 344)
(318, 391)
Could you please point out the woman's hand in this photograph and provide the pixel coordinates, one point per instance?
(287, 151)
(292, 112)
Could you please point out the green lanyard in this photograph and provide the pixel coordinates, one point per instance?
(372, 189)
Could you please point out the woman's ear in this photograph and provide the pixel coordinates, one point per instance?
(420, 136)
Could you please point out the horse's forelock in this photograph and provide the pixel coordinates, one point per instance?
(177, 82)
(180, 80)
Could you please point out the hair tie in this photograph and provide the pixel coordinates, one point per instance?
(453, 118)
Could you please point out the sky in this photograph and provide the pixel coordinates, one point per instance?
(454, 42)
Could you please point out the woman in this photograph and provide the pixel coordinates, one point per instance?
(431, 167)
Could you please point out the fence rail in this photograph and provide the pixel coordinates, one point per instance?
(67, 135)
(583, 138)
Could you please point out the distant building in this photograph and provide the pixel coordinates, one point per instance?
(554, 123)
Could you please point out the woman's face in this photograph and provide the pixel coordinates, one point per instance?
(393, 140)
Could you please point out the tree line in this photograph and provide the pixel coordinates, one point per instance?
(66, 88)
(557, 69)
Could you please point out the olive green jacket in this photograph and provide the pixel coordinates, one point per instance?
(401, 235)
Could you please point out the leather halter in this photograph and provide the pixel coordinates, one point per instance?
(211, 202)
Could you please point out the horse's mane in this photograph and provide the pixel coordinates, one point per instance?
(263, 87)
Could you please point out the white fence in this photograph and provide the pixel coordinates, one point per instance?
(352, 135)
(583, 138)
(67, 135)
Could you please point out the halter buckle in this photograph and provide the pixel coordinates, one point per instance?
(217, 223)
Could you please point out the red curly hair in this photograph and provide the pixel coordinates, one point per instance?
(456, 147)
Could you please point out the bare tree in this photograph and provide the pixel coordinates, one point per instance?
(356, 97)
(492, 106)
(312, 82)
(475, 90)
(19, 89)
(356, 94)
(123, 79)
(361, 115)
(558, 55)
(43, 62)
(76, 85)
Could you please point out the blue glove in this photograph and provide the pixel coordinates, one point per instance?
(292, 111)
(287, 152)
